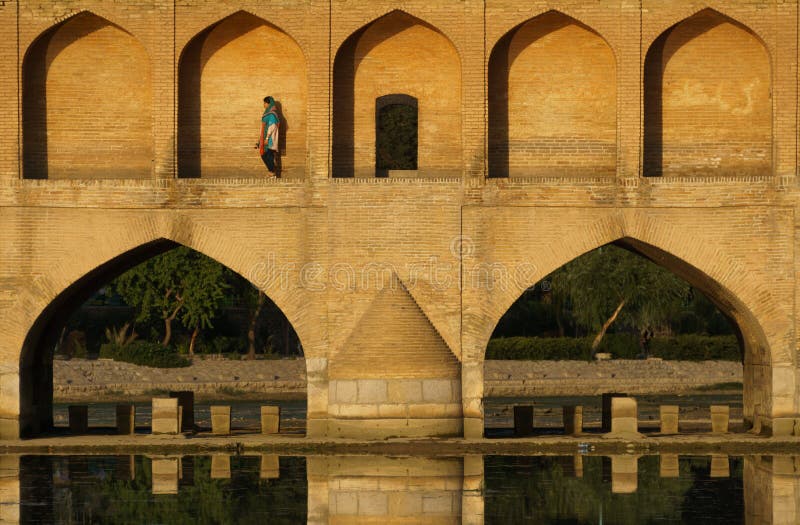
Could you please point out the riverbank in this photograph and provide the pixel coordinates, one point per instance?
(91, 380)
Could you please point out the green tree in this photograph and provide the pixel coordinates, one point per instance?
(611, 284)
(179, 284)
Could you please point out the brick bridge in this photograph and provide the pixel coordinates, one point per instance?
(545, 129)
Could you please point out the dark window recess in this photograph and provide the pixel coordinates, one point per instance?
(395, 133)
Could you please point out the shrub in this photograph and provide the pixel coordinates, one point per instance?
(225, 345)
(689, 347)
(144, 353)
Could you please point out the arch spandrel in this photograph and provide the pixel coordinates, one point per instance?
(49, 287)
(708, 268)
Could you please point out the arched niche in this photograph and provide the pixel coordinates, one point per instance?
(397, 53)
(224, 74)
(707, 100)
(87, 103)
(552, 101)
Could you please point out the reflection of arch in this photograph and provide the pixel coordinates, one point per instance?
(87, 102)
(62, 290)
(715, 273)
(396, 53)
(552, 100)
(705, 114)
(224, 73)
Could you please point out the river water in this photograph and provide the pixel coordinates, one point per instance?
(579, 489)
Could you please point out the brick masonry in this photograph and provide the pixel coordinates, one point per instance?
(128, 124)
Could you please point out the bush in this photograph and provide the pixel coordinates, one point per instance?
(689, 347)
(144, 353)
(225, 345)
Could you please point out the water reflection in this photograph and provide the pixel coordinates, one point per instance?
(472, 490)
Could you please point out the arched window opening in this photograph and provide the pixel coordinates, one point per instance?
(395, 134)
(660, 339)
(131, 327)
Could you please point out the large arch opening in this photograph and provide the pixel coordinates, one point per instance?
(707, 100)
(397, 53)
(208, 312)
(552, 101)
(224, 74)
(636, 302)
(87, 103)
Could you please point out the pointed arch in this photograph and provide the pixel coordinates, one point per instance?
(397, 53)
(708, 100)
(224, 72)
(552, 100)
(46, 303)
(87, 102)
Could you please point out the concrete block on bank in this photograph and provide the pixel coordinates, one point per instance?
(606, 409)
(221, 420)
(270, 419)
(166, 416)
(186, 402)
(220, 466)
(669, 419)
(573, 420)
(670, 466)
(126, 419)
(720, 466)
(624, 416)
(78, 419)
(720, 418)
(523, 420)
(784, 426)
(270, 467)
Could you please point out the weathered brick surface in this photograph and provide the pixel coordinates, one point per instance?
(120, 103)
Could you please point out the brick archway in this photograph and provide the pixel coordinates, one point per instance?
(27, 399)
(769, 381)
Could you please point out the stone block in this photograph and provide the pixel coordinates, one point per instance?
(221, 420)
(372, 391)
(624, 416)
(606, 410)
(669, 419)
(186, 402)
(404, 503)
(373, 503)
(523, 420)
(720, 417)
(166, 416)
(473, 428)
(405, 391)
(783, 426)
(270, 467)
(437, 390)
(220, 466)
(270, 419)
(345, 503)
(437, 504)
(126, 419)
(720, 466)
(78, 419)
(344, 391)
(669, 466)
(573, 420)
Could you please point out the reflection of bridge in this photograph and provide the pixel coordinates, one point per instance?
(371, 489)
(127, 129)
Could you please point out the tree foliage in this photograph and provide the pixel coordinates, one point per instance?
(179, 284)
